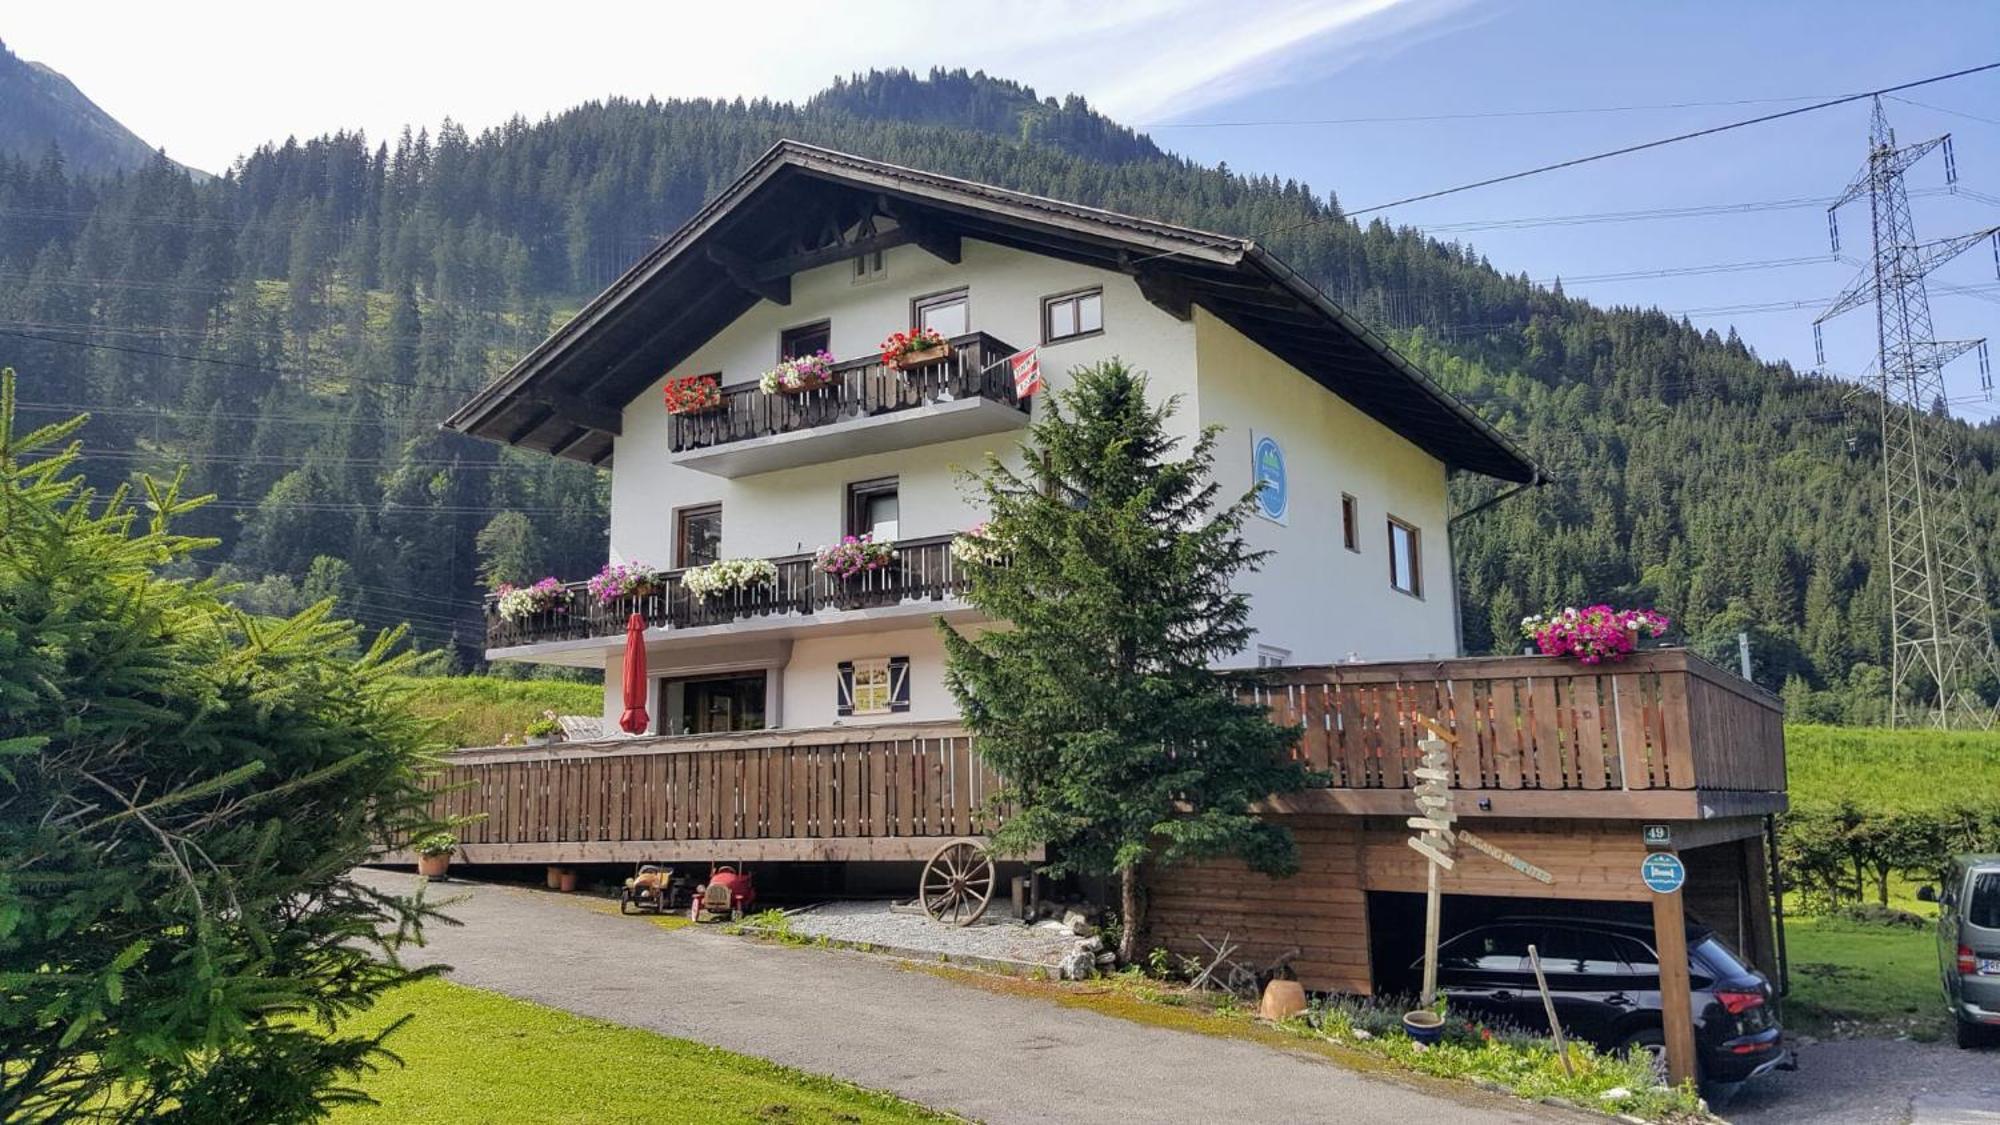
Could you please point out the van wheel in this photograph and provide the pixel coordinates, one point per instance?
(1969, 1034)
(1653, 1042)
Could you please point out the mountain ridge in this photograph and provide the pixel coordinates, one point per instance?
(46, 108)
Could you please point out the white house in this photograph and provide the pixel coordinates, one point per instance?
(813, 249)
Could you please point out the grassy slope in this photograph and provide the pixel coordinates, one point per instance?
(1892, 769)
(475, 1056)
(478, 711)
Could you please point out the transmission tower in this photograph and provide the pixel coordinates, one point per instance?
(1939, 624)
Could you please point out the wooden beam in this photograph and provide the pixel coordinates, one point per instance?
(536, 418)
(786, 266)
(583, 413)
(933, 238)
(816, 849)
(1676, 999)
(743, 272)
(1550, 804)
(570, 441)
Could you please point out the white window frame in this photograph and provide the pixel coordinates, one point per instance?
(1271, 656)
(1416, 587)
(867, 686)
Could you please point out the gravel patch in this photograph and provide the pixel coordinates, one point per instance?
(873, 923)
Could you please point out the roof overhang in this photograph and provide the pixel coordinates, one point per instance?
(799, 206)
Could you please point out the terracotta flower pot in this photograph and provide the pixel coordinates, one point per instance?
(924, 358)
(566, 882)
(1282, 1000)
(434, 866)
(554, 877)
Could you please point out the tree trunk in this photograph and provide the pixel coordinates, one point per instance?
(1128, 916)
(1882, 883)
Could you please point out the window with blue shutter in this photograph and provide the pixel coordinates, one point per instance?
(843, 703)
(899, 683)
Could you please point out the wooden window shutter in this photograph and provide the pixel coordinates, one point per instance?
(843, 703)
(899, 683)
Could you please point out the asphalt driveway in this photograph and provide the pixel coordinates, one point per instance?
(1877, 1082)
(989, 1056)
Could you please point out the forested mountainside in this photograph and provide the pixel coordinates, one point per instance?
(293, 330)
(39, 108)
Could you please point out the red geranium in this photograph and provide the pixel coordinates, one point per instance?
(900, 344)
(691, 393)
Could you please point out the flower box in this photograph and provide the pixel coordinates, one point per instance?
(518, 603)
(854, 555)
(693, 394)
(799, 375)
(728, 576)
(622, 580)
(1594, 635)
(904, 351)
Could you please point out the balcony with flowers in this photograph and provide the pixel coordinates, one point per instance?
(919, 388)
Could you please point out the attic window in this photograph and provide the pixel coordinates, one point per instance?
(869, 267)
(1069, 316)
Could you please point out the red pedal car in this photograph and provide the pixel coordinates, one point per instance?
(729, 893)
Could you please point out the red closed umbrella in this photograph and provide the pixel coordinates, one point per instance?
(634, 720)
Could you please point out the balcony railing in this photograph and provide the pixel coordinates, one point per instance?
(866, 387)
(923, 571)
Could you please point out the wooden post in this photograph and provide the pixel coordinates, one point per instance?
(1431, 910)
(1676, 1001)
(1549, 1008)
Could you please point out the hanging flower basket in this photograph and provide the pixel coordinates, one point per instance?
(799, 375)
(518, 603)
(622, 580)
(1595, 635)
(918, 347)
(693, 394)
(728, 576)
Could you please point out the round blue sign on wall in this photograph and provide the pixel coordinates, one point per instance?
(1663, 873)
(1268, 471)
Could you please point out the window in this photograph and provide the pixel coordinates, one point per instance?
(869, 267)
(947, 313)
(805, 340)
(1270, 656)
(1490, 949)
(1580, 953)
(1406, 561)
(877, 686)
(1068, 316)
(698, 535)
(1350, 522)
(1982, 902)
(872, 509)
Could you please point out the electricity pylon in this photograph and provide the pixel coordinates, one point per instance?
(1939, 627)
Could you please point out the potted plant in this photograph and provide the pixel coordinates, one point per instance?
(799, 374)
(1594, 635)
(726, 576)
(542, 731)
(693, 394)
(434, 854)
(518, 603)
(622, 580)
(915, 348)
(977, 546)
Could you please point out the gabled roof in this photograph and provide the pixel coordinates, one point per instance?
(790, 212)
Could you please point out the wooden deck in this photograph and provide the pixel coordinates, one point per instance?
(1664, 735)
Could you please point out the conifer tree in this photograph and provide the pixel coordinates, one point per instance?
(1121, 749)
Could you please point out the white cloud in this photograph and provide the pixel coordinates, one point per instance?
(234, 74)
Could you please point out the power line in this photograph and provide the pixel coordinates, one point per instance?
(1941, 109)
(1608, 154)
(1563, 111)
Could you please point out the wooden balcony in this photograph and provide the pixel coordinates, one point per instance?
(923, 571)
(871, 408)
(1664, 736)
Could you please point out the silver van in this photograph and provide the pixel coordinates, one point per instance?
(1969, 946)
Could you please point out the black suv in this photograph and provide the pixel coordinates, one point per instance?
(1604, 977)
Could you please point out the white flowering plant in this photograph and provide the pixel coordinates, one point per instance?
(977, 545)
(518, 603)
(727, 575)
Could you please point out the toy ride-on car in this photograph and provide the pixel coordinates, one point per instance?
(729, 893)
(652, 890)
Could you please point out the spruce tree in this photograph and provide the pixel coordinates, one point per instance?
(1121, 748)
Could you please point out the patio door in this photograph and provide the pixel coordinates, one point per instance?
(713, 704)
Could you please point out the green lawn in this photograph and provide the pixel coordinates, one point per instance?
(1892, 769)
(474, 1056)
(1852, 978)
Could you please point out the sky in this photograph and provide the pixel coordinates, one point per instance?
(1371, 99)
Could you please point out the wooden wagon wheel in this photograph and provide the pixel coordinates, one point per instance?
(957, 883)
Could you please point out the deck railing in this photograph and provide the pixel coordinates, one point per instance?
(864, 387)
(1663, 719)
(923, 571)
(909, 782)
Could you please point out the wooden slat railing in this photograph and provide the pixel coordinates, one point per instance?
(1662, 719)
(923, 571)
(908, 781)
(865, 387)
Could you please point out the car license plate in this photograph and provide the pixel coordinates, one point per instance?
(1988, 966)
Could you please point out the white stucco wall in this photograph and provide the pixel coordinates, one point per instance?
(799, 509)
(1314, 597)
